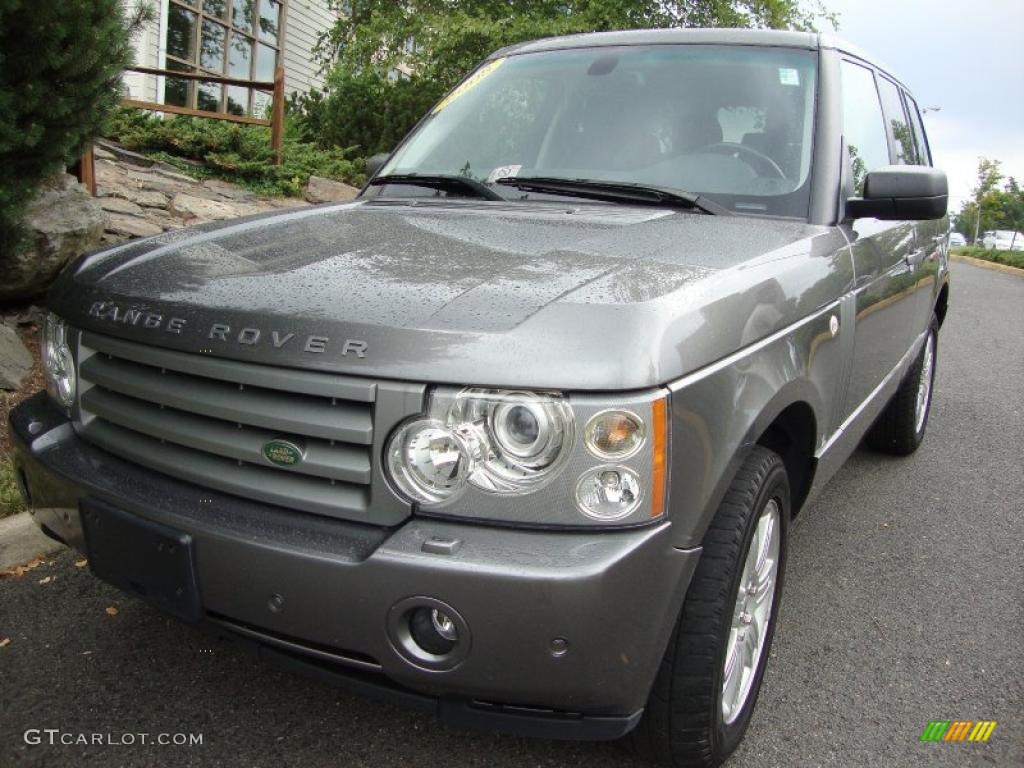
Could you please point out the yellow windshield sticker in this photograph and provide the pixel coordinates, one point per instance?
(469, 84)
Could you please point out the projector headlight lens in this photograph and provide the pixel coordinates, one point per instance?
(521, 438)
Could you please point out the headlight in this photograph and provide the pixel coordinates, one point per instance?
(514, 456)
(519, 439)
(58, 364)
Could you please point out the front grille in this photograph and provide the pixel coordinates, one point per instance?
(206, 420)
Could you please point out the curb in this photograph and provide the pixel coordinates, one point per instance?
(987, 264)
(21, 540)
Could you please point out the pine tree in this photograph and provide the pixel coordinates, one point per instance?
(60, 67)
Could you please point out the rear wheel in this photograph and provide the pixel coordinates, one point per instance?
(900, 428)
(705, 691)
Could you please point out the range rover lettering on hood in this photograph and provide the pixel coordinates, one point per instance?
(249, 335)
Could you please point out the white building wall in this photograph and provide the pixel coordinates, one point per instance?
(147, 45)
(306, 20)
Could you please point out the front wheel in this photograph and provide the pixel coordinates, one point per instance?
(705, 690)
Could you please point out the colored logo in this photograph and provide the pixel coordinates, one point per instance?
(282, 453)
(958, 730)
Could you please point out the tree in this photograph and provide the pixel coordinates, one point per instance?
(990, 206)
(60, 69)
(395, 59)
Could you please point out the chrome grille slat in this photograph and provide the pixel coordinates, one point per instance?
(267, 484)
(302, 382)
(299, 414)
(340, 462)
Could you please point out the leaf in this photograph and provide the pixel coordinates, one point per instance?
(47, 580)
(4, 642)
(21, 570)
(81, 563)
(112, 611)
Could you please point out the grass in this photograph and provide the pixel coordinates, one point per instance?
(1009, 258)
(10, 497)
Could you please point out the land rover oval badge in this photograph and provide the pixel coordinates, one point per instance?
(282, 453)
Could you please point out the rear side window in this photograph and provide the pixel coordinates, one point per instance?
(904, 150)
(863, 125)
(920, 138)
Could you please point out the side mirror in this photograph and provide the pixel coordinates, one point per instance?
(375, 162)
(902, 192)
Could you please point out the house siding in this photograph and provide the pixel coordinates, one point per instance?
(147, 47)
(306, 20)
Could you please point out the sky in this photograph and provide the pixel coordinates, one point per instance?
(967, 59)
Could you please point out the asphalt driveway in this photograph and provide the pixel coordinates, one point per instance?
(903, 604)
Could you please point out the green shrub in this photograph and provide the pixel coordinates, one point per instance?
(232, 151)
(364, 109)
(60, 68)
(1010, 258)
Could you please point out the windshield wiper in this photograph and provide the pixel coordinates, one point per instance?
(615, 192)
(442, 182)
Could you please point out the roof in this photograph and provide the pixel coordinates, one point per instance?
(717, 36)
(707, 36)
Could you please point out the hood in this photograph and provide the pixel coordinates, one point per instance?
(531, 294)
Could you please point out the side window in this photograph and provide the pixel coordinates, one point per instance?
(863, 125)
(904, 151)
(920, 137)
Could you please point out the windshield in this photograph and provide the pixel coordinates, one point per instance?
(731, 123)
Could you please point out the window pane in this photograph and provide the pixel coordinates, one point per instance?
(920, 137)
(208, 97)
(181, 33)
(176, 91)
(863, 125)
(261, 103)
(211, 56)
(240, 57)
(270, 20)
(899, 131)
(242, 16)
(238, 100)
(266, 58)
(215, 8)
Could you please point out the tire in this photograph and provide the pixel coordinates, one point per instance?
(684, 723)
(900, 428)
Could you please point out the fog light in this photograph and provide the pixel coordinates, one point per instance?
(608, 493)
(433, 630)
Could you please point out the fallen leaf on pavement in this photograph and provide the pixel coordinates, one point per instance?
(47, 580)
(4, 642)
(112, 611)
(81, 563)
(21, 570)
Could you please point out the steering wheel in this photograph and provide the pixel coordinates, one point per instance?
(761, 161)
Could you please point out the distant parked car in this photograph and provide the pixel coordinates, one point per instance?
(956, 240)
(1003, 240)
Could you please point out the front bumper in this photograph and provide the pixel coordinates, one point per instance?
(317, 592)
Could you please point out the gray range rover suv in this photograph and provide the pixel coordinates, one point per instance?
(516, 436)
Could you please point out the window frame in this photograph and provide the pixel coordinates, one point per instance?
(924, 150)
(846, 58)
(894, 147)
(226, 21)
